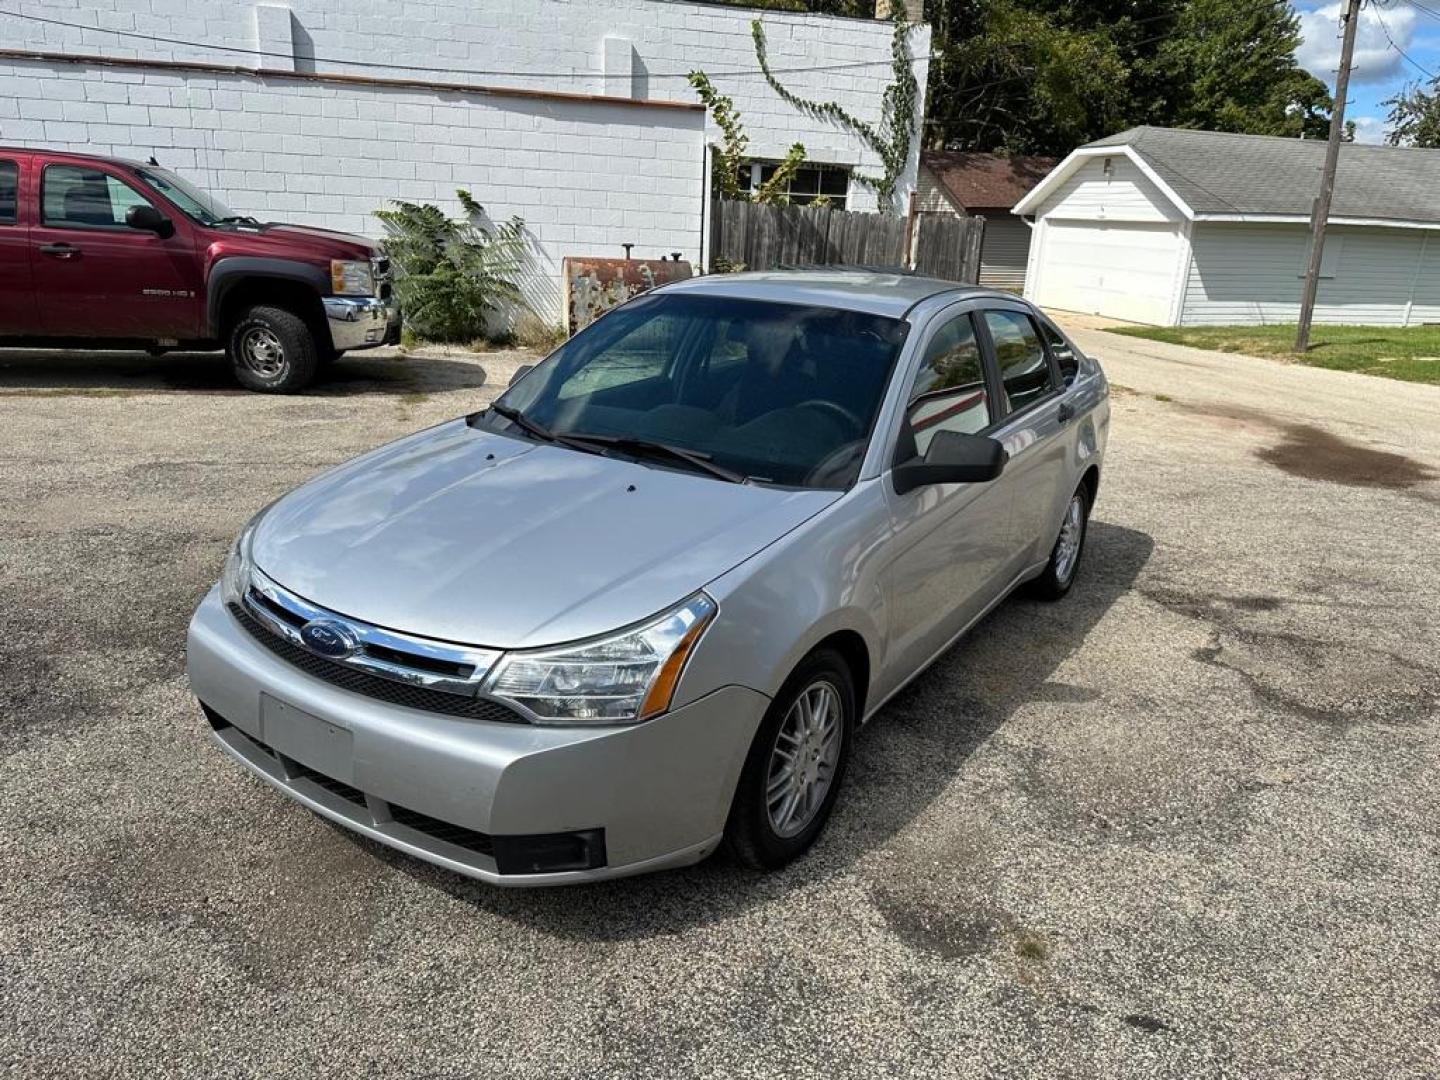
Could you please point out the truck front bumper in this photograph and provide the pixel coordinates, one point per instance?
(489, 800)
(361, 322)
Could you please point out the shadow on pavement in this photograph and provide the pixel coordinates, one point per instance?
(906, 757)
(61, 373)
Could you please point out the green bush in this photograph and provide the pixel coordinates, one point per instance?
(452, 273)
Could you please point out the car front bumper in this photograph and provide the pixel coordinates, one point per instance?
(653, 795)
(361, 322)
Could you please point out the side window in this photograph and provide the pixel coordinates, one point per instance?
(949, 390)
(1063, 352)
(9, 192)
(1020, 357)
(73, 196)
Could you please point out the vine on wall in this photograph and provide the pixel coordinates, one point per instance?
(730, 154)
(891, 140)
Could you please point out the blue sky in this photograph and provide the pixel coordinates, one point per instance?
(1380, 69)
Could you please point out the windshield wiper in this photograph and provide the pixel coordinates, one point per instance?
(238, 219)
(632, 444)
(519, 419)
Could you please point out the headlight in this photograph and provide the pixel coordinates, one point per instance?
(351, 278)
(236, 577)
(617, 680)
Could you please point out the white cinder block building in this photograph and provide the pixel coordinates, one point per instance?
(1193, 228)
(573, 114)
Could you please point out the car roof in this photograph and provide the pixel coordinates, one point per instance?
(878, 292)
(74, 154)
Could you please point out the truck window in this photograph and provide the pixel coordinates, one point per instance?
(74, 196)
(9, 192)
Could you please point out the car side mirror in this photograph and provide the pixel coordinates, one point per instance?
(953, 458)
(148, 219)
(520, 373)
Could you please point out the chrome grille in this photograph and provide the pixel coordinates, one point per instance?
(419, 673)
(358, 682)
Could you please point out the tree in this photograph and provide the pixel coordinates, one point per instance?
(1231, 64)
(1415, 116)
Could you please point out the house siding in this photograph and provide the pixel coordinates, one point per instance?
(1252, 274)
(1127, 194)
(1004, 251)
(930, 195)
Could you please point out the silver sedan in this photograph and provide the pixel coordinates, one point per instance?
(639, 606)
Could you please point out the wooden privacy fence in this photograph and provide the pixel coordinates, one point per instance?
(758, 237)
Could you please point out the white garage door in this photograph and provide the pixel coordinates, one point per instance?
(1125, 270)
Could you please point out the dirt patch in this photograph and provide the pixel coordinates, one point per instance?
(1312, 453)
(1315, 454)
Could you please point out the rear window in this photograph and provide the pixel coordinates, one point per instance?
(9, 192)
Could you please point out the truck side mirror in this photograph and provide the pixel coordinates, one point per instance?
(953, 458)
(147, 219)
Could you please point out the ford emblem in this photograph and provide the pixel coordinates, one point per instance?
(328, 638)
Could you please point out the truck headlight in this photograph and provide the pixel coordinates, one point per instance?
(622, 679)
(351, 278)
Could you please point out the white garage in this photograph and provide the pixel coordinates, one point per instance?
(1180, 228)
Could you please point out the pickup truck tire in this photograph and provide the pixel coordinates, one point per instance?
(273, 351)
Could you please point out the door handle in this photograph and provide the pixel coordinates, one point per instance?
(60, 251)
(1065, 413)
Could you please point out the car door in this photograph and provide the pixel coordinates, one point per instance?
(951, 542)
(1032, 431)
(17, 291)
(94, 276)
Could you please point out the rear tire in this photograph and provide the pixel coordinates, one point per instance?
(1064, 565)
(273, 351)
(778, 810)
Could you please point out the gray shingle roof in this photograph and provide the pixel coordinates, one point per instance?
(1217, 172)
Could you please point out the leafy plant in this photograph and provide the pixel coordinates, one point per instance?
(891, 140)
(730, 155)
(1415, 116)
(451, 274)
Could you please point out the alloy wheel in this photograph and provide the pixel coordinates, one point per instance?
(804, 759)
(262, 353)
(1072, 530)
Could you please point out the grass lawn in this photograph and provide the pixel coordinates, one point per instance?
(1412, 353)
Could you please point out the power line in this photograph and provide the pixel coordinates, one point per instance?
(572, 74)
(1421, 7)
(1406, 56)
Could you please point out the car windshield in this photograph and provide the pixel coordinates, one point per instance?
(192, 202)
(767, 392)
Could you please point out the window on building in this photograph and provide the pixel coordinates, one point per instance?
(809, 182)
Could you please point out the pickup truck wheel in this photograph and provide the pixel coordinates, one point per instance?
(273, 351)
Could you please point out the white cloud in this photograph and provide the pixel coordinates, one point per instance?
(1375, 59)
(1369, 129)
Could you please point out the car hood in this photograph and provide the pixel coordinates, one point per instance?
(468, 536)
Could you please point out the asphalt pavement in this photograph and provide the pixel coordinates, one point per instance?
(1185, 823)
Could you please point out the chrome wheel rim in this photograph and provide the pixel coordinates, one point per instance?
(262, 353)
(804, 759)
(1067, 548)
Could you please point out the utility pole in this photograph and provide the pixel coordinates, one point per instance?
(1327, 179)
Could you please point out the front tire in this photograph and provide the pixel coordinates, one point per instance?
(1064, 564)
(273, 351)
(796, 764)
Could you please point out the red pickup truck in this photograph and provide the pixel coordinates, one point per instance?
(100, 253)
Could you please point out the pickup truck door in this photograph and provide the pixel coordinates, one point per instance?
(17, 291)
(94, 276)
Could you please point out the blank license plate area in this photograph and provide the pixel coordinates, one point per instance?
(323, 746)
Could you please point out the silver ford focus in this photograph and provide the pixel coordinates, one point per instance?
(639, 606)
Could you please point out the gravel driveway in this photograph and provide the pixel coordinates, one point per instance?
(1185, 823)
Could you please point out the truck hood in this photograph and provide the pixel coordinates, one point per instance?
(472, 537)
(291, 241)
